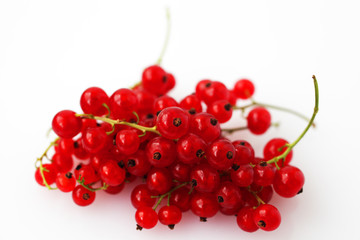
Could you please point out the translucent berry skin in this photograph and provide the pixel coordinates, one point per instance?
(243, 154)
(243, 176)
(49, 174)
(205, 178)
(274, 148)
(66, 125)
(79, 150)
(232, 98)
(145, 101)
(205, 126)
(64, 146)
(146, 217)
(246, 144)
(172, 122)
(63, 163)
(86, 173)
(82, 196)
(115, 189)
(154, 79)
(65, 182)
(222, 110)
(171, 82)
(200, 87)
(244, 89)
(229, 195)
(137, 164)
(181, 198)
(220, 154)
(288, 181)
(141, 196)
(264, 193)
(164, 102)
(190, 149)
(204, 205)
(191, 102)
(245, 219)
(264, 174)
(180, 171)
(229, 211)
(94, 139)
(170, 215)
(214, 91)
(159, 181)
(258, 120)
(111, 173)
(122, 103)
(161, 152)
(92, 101)
(127, 141)
(267, 217)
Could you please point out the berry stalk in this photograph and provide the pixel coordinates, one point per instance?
(168, 194)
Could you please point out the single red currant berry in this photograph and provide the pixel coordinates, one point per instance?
(127, 141)
(172, 122)
(276, 147)
(243, 154)
(221, 154)
(214, 91)
(122, 103)
(204, 205)
(230, 211)
(244, 143)
(222, 110)
(190, 149)
(161, 152)
(205, 126)
(192, 104)
(115, 189)
(200, 87)
(245, 219)
(170, 82)
(92, 101)
(145, 217)
(112, 173)
(82, 196)
(232, 98)
(288, 181)
(64, 146)
(181, 198)
(267, 217)
(79, 150)
(204, 178)
(94, 139)
(164, 102)
(259, 120)
(154, 79)
(138, 164)
(141, 196)
(66, 125)
(180, 171)
(159, 181)
(244, 89)
(49, 171)
(145, 101)
(242, 175)
(65, 182)
(63, 163)
(170, 215)
(229, 195)
(89, 123)
(264, 174)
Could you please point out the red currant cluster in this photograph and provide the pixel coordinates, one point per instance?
(177, 148)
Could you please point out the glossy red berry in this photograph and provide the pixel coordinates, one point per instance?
(64, 146)
(49, 171)
(159, 181)
(112, 173)
(200, 87)
(65, 182)
(145, 101)
(115, 189)
(229, 195)
(127, 141)
(82, 196)
(170, 215)
(145, 217)
(242, 175)
(213, 92)
(79, 150)
(204, 178)
(288, 181)
(243, 154)
(190, 149)
(205, 126)
(171, 82)
(161, 152)
(258, 120)
(191, 103)
(204, 205)
(221, 154)
(264, 174)
(267, 217)
(221, 110)
(141, 196)
(92, 101)
(94, 139)
(87, 173)
(180, 171)
(245, 219)
(137, 164)
(172, 122)
(164, 102)
(122, 103)
(276, 147)
(63, 163)
(181, 198)
(65, 124)
(244, 89)
(154, 79)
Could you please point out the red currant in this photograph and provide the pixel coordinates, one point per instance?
(222, 110)
(288, 181)
(276, 147)
(141, 196)
(244, 89)
(145, 217)
(161, 152)
(245, 219)
(204, 178)
(259, 120)
(170, 215)
(82, 196)
(190, 148)
(65, 182)
(112, 173)
(159, 181)
(172, 122)
(204, 205)
(267, 217)
(92, 101)
(66, 125)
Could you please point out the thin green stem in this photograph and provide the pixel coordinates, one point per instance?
(81, 181)
(167, 37)
(293, 144)
(231, 130)
(168, 194)
(107, 108)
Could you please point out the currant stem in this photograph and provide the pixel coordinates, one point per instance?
(81, 182)
(231, 130)
(167, 37)
(168, 194)
(292, 145)
(260, 201)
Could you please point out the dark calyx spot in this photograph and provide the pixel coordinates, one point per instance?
(86, 196)
(229, 155)
(150, 116)
(171, 226)
(200, 153)
(114, 140)
(193, 183)
(127, 174)
(76, 145)
(157, 114)
(131, 163)
(98, 124)
(213, 121)
(78, 167)
(121, 164)
(242, 143)
(208, 84)
(203, 219)
(177, 122)
(164, 79)
(263, 164)
(235, 167)
(301, 190)
(192, 111)
(68, 175)
(157, 156)
(261, 224)
(138, 227)
(220, 199)
(227, 107)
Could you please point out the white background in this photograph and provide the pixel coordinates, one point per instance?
(50, 51)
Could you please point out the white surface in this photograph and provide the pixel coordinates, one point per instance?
(50, 51)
